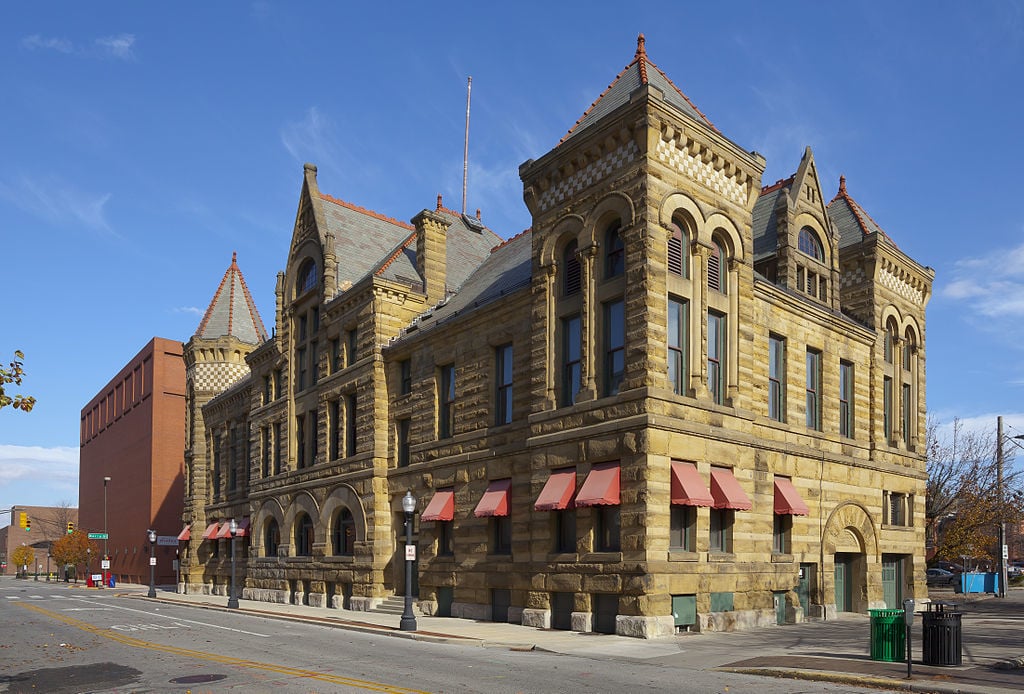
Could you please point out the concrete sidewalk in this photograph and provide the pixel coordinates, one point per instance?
(836, 651)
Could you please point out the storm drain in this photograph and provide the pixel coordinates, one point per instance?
(198, 679)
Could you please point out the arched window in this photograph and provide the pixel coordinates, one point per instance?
(304, 536)
(809, 244)
(306, 278)
(890, 342)
(615, 252)
(344, 539)
(571, 272)
(908, 350)
(717, 267)
(271, 538)
(676, 250)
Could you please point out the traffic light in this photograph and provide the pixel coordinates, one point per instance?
(28, 523)
(22, 519)
(71, 527)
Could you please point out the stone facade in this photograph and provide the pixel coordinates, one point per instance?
(721, 384)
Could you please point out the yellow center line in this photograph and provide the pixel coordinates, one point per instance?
(222, 659)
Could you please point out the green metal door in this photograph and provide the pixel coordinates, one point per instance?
(803, 587)
(842, 604)
(780, 607)
(891, 582)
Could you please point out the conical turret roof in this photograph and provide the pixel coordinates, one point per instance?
(232, 310)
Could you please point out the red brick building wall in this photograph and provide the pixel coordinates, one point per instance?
(133, 432)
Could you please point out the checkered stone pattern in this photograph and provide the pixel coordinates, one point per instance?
(700, 171)
(217, 377)
(853, 278)
(907, 291)
(578, 181)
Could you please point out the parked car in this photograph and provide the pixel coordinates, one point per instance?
(949, 566)
(940, 577)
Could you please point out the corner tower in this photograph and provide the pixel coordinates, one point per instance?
(214, 360)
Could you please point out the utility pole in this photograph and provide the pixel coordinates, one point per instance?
(999, 500)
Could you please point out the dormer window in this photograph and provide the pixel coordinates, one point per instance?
(306, 278)
(809, 244)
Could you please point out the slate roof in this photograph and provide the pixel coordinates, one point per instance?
(506, 269)
(639, 72)
(367, 242)
(232, 310)
(763, 221)
(850, 218)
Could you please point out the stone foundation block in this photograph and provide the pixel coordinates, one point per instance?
(645, 627)
(471, 610)
(363, 604)
(540, 619)
(581, 621)
(515, 615)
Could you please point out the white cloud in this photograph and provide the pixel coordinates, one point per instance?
(312, 139)
(193, 310)
(35, 41)
(57, 202)
(991, 285)
(119, 46)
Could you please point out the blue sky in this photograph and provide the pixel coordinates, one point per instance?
(141, 144)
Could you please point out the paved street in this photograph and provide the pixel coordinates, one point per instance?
(179, 632)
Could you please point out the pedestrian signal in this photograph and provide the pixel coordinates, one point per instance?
(71, 528)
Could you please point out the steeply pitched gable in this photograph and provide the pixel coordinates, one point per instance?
(853, 223)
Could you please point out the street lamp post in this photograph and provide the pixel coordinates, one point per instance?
(152, 563)
(232, 596)
(408, 622)
(106, 557)
(1000, 438)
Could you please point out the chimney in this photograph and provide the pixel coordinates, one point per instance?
(431, 253)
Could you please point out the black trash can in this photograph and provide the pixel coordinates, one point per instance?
(943, 641)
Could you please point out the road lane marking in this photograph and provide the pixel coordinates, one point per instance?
(368, 685)
(162, 616)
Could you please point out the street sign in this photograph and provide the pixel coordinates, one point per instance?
(167, 540)
(152, 561)
(410, 552)
(105, 564)
(97, 536)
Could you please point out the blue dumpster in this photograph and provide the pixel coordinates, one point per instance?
(113, 580)
(977, 582)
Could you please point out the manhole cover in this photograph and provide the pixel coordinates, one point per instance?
(198, 679)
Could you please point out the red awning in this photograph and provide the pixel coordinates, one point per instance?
(727, 492)
(787, 499)
(186, 533)
(441, 507)
(557, 492)
(687, 487)
(211, 531)
(225, 531)
(601, 488)
(494, 502)
(243, 528)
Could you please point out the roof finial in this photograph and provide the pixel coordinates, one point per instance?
(842, 184)
(234, 257)
(478, 213)
(641, 52)
(439, 201)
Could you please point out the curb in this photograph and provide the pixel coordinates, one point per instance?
(887, 683)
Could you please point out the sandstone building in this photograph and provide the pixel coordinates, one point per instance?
(679, 400)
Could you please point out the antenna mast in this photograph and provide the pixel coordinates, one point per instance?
(465, 150)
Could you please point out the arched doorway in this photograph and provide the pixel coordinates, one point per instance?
(849, 539)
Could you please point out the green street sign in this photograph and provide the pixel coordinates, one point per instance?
(97, 536)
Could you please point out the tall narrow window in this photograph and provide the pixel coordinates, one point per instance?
(304, 536)
(716, 357)
(314, 362)
(268, 390)
(814, 389)
(344, 540)
(908, 414)
(677, 341)
(353, 345)
(572, 354)
(333, 429)
(300, 367)
(314, 436)
(565, 531)
(277, 448)
(777, 378)
(307, 277)
(782, 532)
(350, 425)
(233, 460)
(676, 246)
(267, 451)
(216, 465)
(503, 381)
(717, 270)
(846, 399)
(446, 402)
(615, 252)
(809, 244)
(720, 529)
(404, 377)
(402, 433)
(300, 441)
(887, 409)
(683, 528)
(571, 273)
(337, 364)
(606, 529)
(615, 346)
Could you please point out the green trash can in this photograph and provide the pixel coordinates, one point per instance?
(888, 635)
